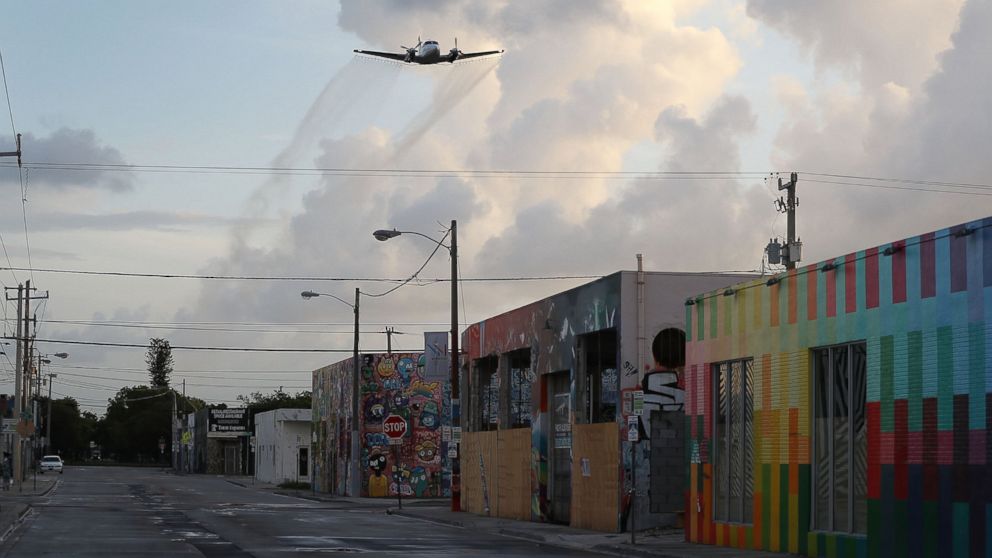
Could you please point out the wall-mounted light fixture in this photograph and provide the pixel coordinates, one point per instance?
(729, 292)
(772, 281)
(690, 302)
(829, 266)
(891, 250)
(963, 232)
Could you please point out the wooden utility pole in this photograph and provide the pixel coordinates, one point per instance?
(389, 340)
(22, 376)
(792, 246)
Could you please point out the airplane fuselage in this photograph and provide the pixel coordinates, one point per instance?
(428, 53)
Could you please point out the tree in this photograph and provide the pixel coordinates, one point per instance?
(72, 431)
(159, 359)
(258, 402)
(137, 418)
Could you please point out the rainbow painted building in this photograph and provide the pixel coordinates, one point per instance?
(845, 408)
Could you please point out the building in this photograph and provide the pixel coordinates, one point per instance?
(843, 408)
(550, 390)
(282, 445)
(390, 384)
(220, 442)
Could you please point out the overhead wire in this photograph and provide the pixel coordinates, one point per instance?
(205, 348)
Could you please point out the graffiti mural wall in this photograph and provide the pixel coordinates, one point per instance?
(389, 385)
(583, 355)
(861, 391)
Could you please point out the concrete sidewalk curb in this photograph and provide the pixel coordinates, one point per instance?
(16, 522)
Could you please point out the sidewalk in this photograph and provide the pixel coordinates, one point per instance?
(668, 543)
(16, 502)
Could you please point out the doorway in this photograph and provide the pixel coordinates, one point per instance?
(303, 463)
(560, 405)
(231, 459)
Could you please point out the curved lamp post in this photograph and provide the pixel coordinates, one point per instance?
(51, 376)
(355, 479)
(386, 234)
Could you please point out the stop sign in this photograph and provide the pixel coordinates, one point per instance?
(394, 426)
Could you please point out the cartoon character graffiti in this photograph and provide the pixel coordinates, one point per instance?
(378, 483)
(430, 417)
(375, 409)
(427, 452)
(406, 367)
(386, 367)
(418, 481)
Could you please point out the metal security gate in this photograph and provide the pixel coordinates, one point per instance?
(560, 405)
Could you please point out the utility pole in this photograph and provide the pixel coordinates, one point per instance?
(793, 248)
(14, 153)
(389, 340)
(792, 251)
(17, 386)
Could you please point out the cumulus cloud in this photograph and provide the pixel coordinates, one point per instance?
(877, 42)
(70, 145)
(913, 112)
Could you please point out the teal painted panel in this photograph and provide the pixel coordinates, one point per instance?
(886, 381)
(900, 384)
(976, 375)
(945, 378)
(929, 362)
(914, 341)
(960, 530)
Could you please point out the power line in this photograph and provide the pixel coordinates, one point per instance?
(184, 373)
(396, 172)
(202, 348)
(904, 180)
(10, 111)
(301, 278)
(883, 186)
(310, 324)
(220, 329)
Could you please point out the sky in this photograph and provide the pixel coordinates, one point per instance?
(883, 89)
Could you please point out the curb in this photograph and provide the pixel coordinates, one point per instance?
(16, 523)
(437, 521)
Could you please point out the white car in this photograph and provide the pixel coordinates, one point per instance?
(51, 463)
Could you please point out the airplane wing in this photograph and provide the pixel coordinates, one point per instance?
(390, 55)
(465, 55)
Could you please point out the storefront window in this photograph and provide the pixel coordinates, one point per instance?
(840, 442)
(733, 446)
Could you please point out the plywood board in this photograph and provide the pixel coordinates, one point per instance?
(514, 486)
(596, 476)
(478, 472)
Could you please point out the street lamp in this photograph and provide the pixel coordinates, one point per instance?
(51, 376)
(355, 481)
(386, 234)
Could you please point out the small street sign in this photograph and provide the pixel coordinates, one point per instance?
(394, 427)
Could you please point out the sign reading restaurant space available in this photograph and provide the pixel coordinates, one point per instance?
(394, 427)
(228, 420)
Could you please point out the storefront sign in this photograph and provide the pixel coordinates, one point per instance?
(228, 420)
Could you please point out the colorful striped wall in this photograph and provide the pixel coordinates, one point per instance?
(924, 308)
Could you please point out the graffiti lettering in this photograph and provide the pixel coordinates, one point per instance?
(661, 393)
(629, 369)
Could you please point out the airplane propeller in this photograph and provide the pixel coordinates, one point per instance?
(454, 53)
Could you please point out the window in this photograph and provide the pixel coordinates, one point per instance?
(600, 384)
(733, 446)
(520, 388)
(488, 394)
(840, 441)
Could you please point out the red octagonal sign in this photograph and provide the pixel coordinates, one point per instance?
(394, 426)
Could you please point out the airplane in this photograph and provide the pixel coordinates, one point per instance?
(428, 52)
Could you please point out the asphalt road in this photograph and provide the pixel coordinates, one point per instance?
(111, 511)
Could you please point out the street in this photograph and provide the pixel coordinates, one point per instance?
(100, 511)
